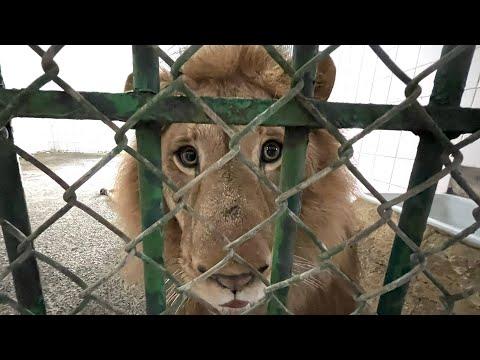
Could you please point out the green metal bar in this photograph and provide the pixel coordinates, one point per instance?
(292, 172)
(59, 105)
(448, 89)
(146, 79)
(13, 208)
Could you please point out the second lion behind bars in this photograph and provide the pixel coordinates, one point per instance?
(233, 200)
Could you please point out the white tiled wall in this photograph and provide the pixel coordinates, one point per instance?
(103, 68)
(386, 157)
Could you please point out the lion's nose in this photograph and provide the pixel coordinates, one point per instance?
(233, 282)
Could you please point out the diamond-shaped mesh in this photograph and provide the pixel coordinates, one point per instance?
(451, 158)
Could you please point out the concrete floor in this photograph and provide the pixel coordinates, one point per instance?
(90, 255)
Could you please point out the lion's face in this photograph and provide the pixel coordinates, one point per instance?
(232, 200)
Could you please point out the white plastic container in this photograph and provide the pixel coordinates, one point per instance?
(449, 213)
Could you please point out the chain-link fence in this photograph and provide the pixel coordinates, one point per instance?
(148, 109)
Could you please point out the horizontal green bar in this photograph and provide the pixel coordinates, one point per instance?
(59, 105)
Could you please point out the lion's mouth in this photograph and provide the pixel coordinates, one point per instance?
(235, 304)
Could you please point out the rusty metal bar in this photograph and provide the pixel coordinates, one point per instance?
(146, 79)
(292, 172)
(13, 208)
(118, 107)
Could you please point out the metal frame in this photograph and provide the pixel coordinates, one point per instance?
(147, 109)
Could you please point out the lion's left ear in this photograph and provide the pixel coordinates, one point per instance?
(165, 80)
(128, 83)
(325, 79)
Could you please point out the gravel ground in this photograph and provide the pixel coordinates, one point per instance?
(457, 268)
(77, 240)
(90, 250)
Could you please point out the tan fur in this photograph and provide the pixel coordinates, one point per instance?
(249, 72)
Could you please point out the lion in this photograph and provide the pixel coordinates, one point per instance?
(233, 200)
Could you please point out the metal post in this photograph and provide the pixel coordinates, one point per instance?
(13, 208)
(292, 172)
(146, 79)
(448, 89)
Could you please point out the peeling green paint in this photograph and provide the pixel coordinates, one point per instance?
(119, 107)
(292, 172)
(145, 79)
(447, 91)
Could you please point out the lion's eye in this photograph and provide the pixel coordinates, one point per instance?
(188, 156)
(271, 151)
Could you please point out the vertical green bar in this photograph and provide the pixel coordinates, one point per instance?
(292, 172)
(13, 208)
(447, 91)
(146, 79)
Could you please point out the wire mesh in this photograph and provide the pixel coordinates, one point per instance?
(451, 159)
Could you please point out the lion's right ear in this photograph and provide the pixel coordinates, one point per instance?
(326, 73)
